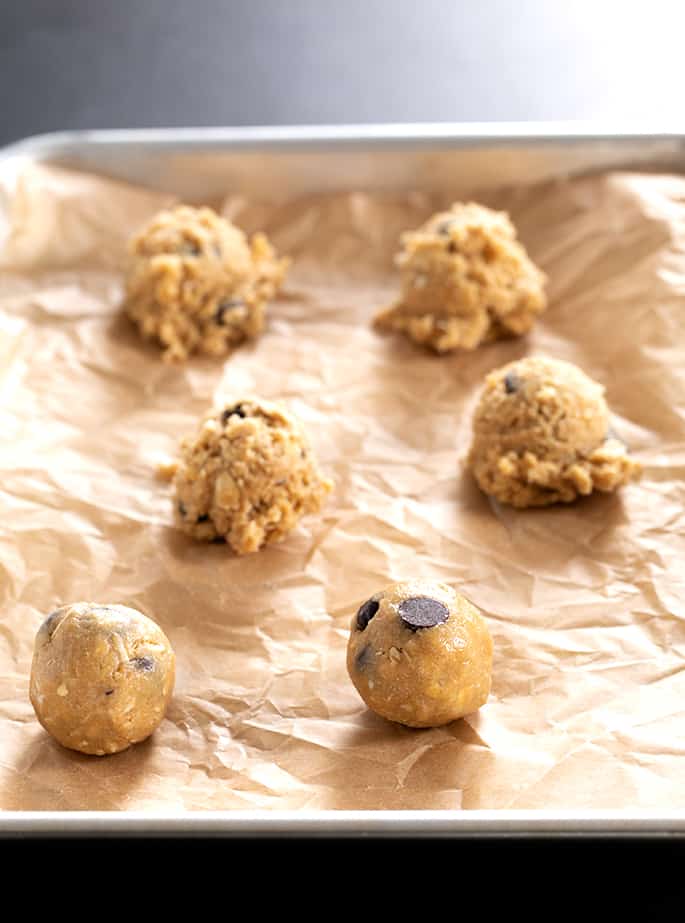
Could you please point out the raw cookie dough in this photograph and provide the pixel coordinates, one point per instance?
(541, 435)
(247, 477)
(195, 285)
(101, 677)
(465, 280)
(420, 654)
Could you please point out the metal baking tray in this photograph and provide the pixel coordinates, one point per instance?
(198, 164)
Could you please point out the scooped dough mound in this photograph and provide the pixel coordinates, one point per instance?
(101, 677)
(247, 477)
(541, 435)
(195, 284)
(420, 654)
(465, 280)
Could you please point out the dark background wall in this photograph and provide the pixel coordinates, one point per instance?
(134, 63)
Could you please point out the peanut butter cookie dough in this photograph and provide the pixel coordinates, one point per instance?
(541, 435)
(195, 284)
(247, 477)
(101, 677)
(420, 654)
(465, 280)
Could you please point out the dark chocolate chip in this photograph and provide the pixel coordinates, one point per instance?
(203, 518)
(423, 612)
(511, 382)
(364, 657)
(109, 691)
(236, 411)
(181, 508)
(225, 307)
(144, 664)
(49, 623)
(366, 612)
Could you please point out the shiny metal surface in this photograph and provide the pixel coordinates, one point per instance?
(283, 162)
(496, 823)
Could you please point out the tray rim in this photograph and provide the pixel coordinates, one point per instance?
(496, 822)
(491, 823)
(346, 136)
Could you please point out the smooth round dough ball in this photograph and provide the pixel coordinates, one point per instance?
(541, 435)
(248, 476)
(465, 280)
(420, 654)
(195, 285)
(101, 677)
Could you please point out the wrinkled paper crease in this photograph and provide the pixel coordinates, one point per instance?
(586, 603)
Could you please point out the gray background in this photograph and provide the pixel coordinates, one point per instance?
(136, 63)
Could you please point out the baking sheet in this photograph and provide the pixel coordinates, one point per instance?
(585, 603)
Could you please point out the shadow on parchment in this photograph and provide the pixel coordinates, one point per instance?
(386, 767)
(49, 777)
(122, 332)
(215, 565)
(587, 521)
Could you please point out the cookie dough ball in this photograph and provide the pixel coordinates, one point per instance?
(195, 284)
(465, 280)
(420, 654)
(101, 677)
(541, 435)
(247, 477)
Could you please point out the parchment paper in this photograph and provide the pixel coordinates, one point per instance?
(585, 603)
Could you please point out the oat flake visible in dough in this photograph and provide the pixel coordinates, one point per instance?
(87, 685)
(195, 285)
(541, 435)
(420, 676)
(247, 477)
(466, 280)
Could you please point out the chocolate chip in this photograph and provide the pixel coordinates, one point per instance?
(444, 227)
(452, 247)
(366, 612)
(423, 612)
(49, 623)
(144, 664)
(109, 691)
(364, 657)
(225, 307)
(236, 411)
(203, 518)
(181, 508)
(511, 382)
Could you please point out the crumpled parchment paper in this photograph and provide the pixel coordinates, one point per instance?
(586, 603)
